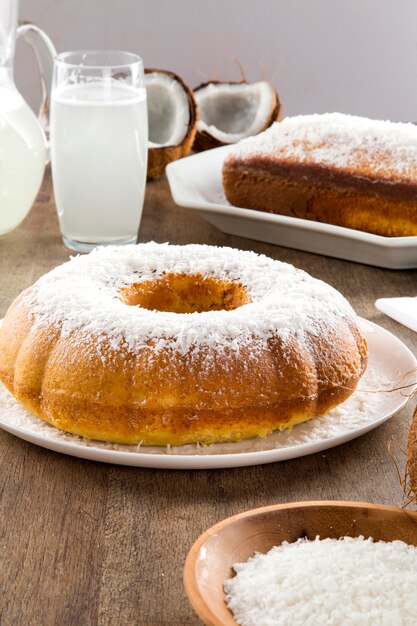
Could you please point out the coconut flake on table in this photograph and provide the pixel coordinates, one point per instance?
(339, 141)
(349, 582)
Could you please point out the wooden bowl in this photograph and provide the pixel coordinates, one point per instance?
(235, 539)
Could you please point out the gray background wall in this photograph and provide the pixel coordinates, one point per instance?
(353, 56)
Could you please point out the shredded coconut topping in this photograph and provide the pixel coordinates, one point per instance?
(351, 581)
(81, 295)
(364, 146)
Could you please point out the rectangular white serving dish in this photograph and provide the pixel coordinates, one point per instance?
(196, 183)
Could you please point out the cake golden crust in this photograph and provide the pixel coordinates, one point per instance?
(123, 386)
(329, 204)
(332, 168)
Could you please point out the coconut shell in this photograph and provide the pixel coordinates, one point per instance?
(158, 158)
(412, 455)
(205, 141)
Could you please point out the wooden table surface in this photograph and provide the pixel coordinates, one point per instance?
(86, 543)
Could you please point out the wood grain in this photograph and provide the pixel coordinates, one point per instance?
(90, 544)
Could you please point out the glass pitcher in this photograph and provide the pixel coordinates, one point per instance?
(23, 151)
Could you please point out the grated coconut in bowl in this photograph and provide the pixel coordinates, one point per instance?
(330, 582)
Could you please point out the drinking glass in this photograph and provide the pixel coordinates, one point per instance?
(99, 139)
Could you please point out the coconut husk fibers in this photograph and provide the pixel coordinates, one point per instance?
(412, 456)
(205, 141)
(158, 158)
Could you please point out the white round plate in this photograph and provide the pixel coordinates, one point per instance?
(391, 366)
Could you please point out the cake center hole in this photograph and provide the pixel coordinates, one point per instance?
(185, 293)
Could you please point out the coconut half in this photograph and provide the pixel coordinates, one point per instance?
(172, 115)
(229, 112)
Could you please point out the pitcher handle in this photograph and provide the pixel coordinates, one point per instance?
(45, 53)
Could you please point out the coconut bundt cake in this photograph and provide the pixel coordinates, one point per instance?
(165, 344)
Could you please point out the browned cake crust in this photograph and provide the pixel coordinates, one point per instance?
(111, 388)
(73, 390)
(372, 187)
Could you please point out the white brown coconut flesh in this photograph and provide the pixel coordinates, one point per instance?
(172, 116)
(229, 112)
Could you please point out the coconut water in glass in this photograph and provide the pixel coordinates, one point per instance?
(99, 137)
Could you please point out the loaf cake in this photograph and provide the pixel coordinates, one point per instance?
(333, 168)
